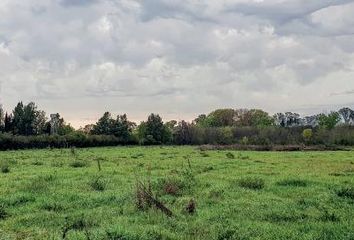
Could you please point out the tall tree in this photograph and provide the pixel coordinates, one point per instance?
(104, 125)
(183, 134)
(153, 131)
(122, 127)
(27, 120)
(8, 123)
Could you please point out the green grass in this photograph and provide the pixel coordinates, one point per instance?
(91, 194)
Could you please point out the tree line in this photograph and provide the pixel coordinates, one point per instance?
(28, 127)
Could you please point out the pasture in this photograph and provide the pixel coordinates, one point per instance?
(94, 193)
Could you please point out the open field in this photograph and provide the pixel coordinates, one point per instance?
(48, 194)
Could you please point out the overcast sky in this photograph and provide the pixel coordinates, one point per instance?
(177, 58)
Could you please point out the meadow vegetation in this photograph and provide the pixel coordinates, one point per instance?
(175, 193)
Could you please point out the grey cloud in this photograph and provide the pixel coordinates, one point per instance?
(283, 12)
(71, 3)
(195, 55)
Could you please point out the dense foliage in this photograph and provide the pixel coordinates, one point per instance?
(28, 127)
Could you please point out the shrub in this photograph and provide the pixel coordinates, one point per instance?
(252, 183)
(307, 135)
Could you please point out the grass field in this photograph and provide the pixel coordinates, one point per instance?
(45, 194)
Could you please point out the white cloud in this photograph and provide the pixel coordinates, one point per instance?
(175, 57)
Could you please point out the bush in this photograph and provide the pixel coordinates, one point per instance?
(307, 135)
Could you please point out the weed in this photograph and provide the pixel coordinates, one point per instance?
(145, 199)
(98, 184)
(191, 207)
(138, 155)
(52, 206)
(293, 183)
(204, 154)
(37, 163)
(346, 192)
(3, 212)
(38, 185)
(252, 183)
(78, 164)
(79, 224)
(230, 155)
(329, 216)
(4, 167)
(284, 217)
(207, 169)
(119, 234)
(73, 152)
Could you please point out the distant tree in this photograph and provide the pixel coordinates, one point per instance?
(183, 133)
(289, 119)
(242, 117)
(171, 124)
(104, 125)
(17, 120)
(63, 127)
(87, 129)
(122, 128)
(202, 121)
(2, 119)
(8, 123)
(222, 118)
(27, 120)
(253, 118)
(279, 119)
(260, 118)
(329, 121)
(153, 131)
(347, 115)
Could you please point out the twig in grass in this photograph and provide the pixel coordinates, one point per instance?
(146, 199)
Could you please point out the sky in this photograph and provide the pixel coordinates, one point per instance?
(176, 58)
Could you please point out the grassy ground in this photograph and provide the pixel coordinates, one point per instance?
(45, 194)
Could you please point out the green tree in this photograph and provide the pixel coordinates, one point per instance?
(27, 120)
(183, 133)
(122, 127)
(260, 118)
(153, 131)
(328, 121)
(104, 125)
(202, 121)
(222, 118)
(253, 118)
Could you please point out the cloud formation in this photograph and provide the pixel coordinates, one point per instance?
(178, 58)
